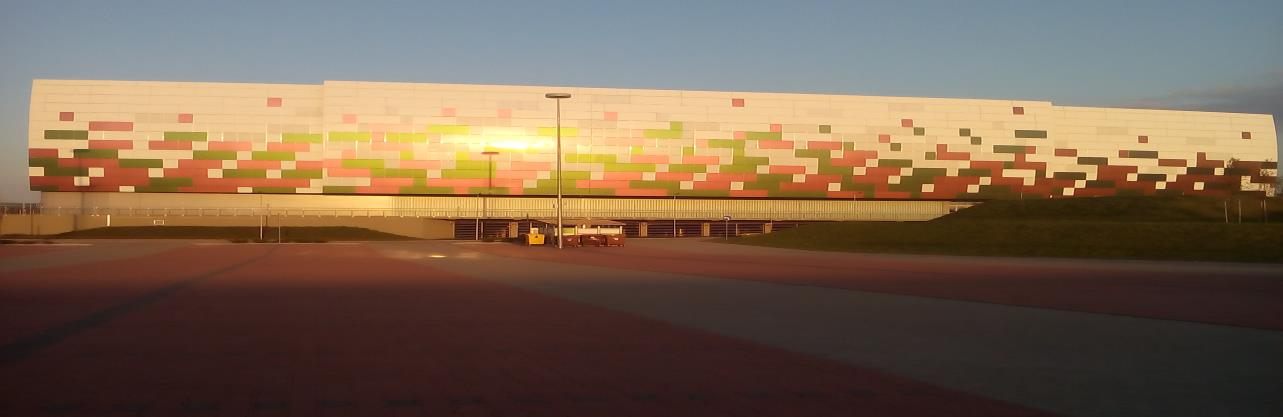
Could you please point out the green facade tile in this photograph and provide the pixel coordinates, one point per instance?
(902, 163)
(301, 173)
(974, 172)
(421, 189)
(272, 156)
(214, 155)
(674, 125)
(244, 173)
(811, 153)
(1151, 177)
(919, 131)
(1100, 184)
(975, 140)
(142, 163)
(67, 134)
(95, 153)
(726, 143)
(1069, 175)
(407, 155)
(737, 169)
(58, 171)
(826, 129)
(42, 162)
(688, 150)
(170, 182)
(763, 136)
(589, 158)
(896, 146)
(931, 156)
(1008, 149)
(1031, 134)
(363, 163)
(661, 134)
(1092, 160)
(628, 167)
(349, 136)
(687, 168)
(1143, 154)
(752, 160)
(402, 173)
(302, 138)
(964, 132)
(338, 189)
(156, 189)
(187, 136)
(483, 165)
(670, 186)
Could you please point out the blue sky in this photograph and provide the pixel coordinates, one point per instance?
(1201, 55)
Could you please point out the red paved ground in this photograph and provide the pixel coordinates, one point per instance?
(339, 331)
(1240, 300)
(9, 250)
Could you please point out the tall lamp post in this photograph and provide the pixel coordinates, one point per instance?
(558, 97)
(485, 204)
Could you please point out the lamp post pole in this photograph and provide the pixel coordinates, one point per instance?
(558, 97)
(485, 201)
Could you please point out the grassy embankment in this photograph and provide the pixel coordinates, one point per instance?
(287, 234)
(1176, 228)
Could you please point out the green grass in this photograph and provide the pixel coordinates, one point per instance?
(326, 233)
(1111, 228)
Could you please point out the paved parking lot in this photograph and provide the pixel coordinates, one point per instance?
(660, 327)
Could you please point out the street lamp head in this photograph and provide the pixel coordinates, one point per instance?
(557, 95)
(490, 153)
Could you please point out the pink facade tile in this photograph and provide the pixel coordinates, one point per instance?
(611, 115)
(200, 163)
(274, 102)
(1018, 110)
(776, 127)
(165, 145)
(633, 192)
(824, 144)
(737, 102)
(787, 169)
(504, 113)
(906, 122)
(774, 144)
(674, 176)
(531, 166)
(884, 138)
(308, 165)
(701, 159)
(741, 135)
(748, 193)
(66, 116)
(349, 118)
(288, 147)
(253, 164)
(448, 111)
(185, 118)
(346, 172)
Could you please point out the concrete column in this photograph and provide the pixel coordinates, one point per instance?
(512, 230)
(643, 229)
(766, 228)
(705, 229)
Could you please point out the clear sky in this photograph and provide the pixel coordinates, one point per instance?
(1202, 55)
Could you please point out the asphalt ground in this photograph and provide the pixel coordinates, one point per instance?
(660, 327)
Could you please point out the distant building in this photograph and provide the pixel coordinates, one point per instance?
(417, 149)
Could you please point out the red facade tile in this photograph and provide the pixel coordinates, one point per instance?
(906, 122)
(737, 102)
(66, 116)
(274, 102)
(1017, 110)
(185, 118)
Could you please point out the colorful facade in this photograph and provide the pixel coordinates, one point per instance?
(371, 138)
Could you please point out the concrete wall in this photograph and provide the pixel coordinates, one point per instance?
(49, 224)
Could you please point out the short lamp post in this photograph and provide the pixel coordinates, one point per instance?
(557, 97)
